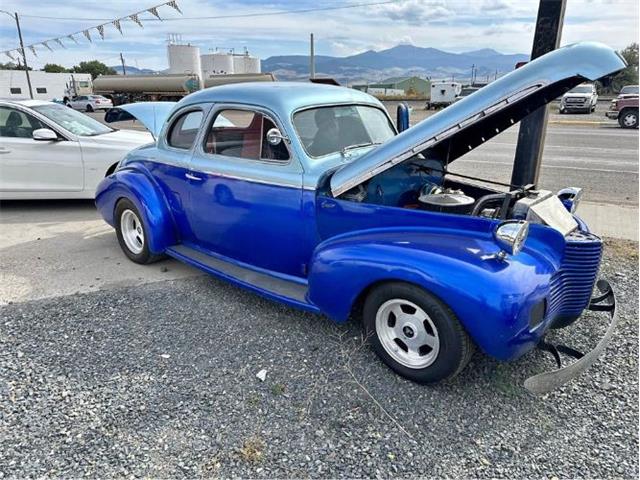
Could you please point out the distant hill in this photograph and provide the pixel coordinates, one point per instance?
(133, 70)
(401, 60)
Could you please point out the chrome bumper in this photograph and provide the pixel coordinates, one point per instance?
(547, 381)
(612, 114)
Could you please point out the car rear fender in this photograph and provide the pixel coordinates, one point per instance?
(136, 184)
(492, 298)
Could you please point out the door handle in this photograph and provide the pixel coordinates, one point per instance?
(4, 150)
(192, 177)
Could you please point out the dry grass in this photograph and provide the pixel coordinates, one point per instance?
(252, 450)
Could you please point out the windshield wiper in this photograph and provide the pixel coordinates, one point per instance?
(358, 145)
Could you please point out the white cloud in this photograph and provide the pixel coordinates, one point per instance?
(455, 25)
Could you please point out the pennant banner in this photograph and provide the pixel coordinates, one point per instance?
(173, 4)
(135, 18)
(154, 11)
(117, 23)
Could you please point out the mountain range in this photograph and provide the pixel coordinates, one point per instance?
(399, 61)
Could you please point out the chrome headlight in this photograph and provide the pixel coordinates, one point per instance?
(570, 198)
(510, 236)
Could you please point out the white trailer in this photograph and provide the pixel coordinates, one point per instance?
(46, 86)
(443, 93)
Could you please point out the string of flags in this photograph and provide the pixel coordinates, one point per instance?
(14, 53)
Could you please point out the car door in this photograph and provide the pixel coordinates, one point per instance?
(246, 194)
(78, 103)
(35, 165)
(171, 171)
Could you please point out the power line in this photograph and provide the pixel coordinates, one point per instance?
(240, 15)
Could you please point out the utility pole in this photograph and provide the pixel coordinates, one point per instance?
(526, 165)
(24, 56)
(124, 70)
(312, 59)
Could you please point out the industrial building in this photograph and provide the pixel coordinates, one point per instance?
(398, 86)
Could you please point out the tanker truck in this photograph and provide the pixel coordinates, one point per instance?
(149, 88)
(122, 89)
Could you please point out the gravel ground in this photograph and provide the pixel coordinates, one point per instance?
(160, 381)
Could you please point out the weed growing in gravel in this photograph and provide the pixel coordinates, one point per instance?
(278, 389)
(252, 450)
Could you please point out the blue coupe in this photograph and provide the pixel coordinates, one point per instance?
(308, 195)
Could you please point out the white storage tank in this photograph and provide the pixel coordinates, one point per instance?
(246, 64)
(217, 64)
(184, 59)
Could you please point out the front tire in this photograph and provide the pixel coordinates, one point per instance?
(133, 234)
(415, 334)
(89, 109)
(628, 118)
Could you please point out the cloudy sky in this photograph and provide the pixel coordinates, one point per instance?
(452, 25)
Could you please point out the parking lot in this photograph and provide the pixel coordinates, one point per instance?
(115, 369)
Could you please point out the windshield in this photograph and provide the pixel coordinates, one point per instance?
(582, 89)
(73, 121)
(628, 90)
(327, 130)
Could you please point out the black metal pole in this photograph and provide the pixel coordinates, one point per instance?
(24, 56)
(526, 165)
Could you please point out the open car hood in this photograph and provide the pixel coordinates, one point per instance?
(475, 119)
(151, 114)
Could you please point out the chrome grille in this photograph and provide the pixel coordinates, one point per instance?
(571, 286)
(576, 100)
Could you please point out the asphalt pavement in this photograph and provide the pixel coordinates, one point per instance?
(589, 151)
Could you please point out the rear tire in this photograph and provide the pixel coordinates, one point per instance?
(89, 109)
(133, 234)
(415, 334)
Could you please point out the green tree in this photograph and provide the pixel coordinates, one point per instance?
(627, 76)
(12, 66)
(54, 68)
(94, 67)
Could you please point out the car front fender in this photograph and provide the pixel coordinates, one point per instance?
(136, 184)
(492, 298)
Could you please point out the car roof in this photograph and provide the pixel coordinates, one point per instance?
(26, 102)
(283, 97)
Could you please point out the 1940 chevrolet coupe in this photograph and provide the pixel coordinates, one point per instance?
(307, 194)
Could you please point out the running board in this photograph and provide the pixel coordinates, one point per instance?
(270, 286)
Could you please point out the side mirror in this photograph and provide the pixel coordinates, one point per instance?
(402, 117)
(274, 137)
(45, 135)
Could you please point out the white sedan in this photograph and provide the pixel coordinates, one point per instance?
(90, 103)
(49, 151)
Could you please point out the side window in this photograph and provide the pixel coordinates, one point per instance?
(184, 130)
(243, 134)
(17, 124)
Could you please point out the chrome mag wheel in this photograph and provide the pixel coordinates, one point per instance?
(132, 231)
(407, 333)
